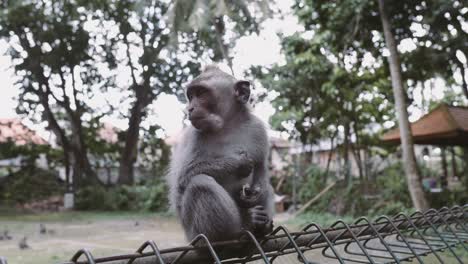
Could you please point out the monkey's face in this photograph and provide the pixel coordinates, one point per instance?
(214, 98)
(203, 109)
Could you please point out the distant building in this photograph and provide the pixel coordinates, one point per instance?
(15, 131)
(323, 154)
(435, 135)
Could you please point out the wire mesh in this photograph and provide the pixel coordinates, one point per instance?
(397, 239)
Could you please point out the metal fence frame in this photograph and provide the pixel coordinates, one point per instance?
(386, 239)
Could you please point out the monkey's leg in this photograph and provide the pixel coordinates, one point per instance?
(208, 209)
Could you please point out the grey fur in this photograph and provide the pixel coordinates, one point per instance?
(209, 169)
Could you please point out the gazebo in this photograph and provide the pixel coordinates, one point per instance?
(445, 126)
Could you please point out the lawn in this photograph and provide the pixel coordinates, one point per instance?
(102, 232)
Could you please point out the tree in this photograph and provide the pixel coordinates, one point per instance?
(153, 71)
(66, 53)
(352, 30)
(157, 69)
(54, 65)
(410, 165)
(310, 82)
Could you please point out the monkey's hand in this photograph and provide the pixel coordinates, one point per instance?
(249, 196)
(260, 223)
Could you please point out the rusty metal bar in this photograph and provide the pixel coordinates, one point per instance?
(385, 240)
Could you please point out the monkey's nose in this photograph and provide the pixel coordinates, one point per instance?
(190, 109)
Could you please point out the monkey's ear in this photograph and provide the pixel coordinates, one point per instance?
(242, 91)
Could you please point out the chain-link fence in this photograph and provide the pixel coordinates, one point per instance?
(384, 240)
(434, 236)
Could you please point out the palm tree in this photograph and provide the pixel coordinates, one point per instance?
(410, 165)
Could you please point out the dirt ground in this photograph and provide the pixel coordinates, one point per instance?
(103, 234)
(103, 237)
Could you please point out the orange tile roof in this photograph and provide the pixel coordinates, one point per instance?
(445, 125)
(13, 129)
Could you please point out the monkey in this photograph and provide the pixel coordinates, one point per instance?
(218, 174)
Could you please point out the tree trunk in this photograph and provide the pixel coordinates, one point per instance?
(409, 159)
(454, 162)
(444, 178)
(129, 153)
(464, 176)
(83, 171)
(219, 28)
(330, 155)
(464, 83)
(347, 167)
(66, 163)
(357, 153)
(74, 153)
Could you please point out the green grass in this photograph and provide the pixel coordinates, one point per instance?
(104, 233)
(447, 256)
(323, 219)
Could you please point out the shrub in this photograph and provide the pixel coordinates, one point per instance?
(30, 183)
(149, 197)
(311, 184)
(393, 186)
(388, 195)
(95, 198)
(448, 198)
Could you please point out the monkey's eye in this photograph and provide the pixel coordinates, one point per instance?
(199, 92)
(196, 91)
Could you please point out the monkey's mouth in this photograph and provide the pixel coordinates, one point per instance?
(197, 121)
(196, 118)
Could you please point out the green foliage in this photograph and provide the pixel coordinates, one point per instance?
(206, 21)
(448, 198)
(67, 53)
(149, 197)
(323, 219)
(29, 184)
(312, 183)
(393, 185)
(353, 28)
(389, 208)
(311, 81)
(155, 153)
(388, 195)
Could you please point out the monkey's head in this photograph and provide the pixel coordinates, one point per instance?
(214, 98)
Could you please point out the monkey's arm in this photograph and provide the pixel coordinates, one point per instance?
(218, 167)
(238, 164)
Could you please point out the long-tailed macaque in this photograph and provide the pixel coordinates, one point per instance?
(219, 173)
